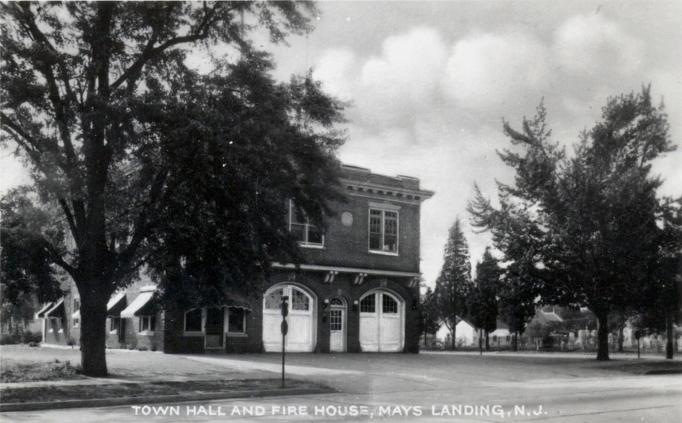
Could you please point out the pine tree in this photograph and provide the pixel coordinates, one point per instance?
(482, 301)
(454, 282)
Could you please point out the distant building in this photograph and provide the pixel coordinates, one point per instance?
(357, 289)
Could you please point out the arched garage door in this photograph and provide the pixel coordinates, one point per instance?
(381, 322)
(300, 319)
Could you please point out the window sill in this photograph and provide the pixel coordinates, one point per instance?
(237, 335)
(315, 246)
(383, 253)
(146, 333)
(113, 332)
(193, 333)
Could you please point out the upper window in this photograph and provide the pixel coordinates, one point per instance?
(368, 304)
(383, 231)
(193, 320)
(307, 234)
(274, 300)
(147, 323)
(76, 304)
(236, 321)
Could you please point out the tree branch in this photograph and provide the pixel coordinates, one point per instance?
(150, 52)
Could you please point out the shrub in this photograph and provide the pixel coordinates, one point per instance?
(142, 349)
(9, 339)
(31, 337)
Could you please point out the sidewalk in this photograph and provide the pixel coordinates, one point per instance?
(243, 365)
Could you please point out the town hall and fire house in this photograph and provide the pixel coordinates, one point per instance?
(357, 289)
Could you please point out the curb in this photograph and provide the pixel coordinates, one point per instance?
(108, 402)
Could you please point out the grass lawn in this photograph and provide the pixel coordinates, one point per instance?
(121, 390)
(22, 371)
(122, 364)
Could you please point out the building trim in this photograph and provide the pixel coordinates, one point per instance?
(366, 189)
(338, 269)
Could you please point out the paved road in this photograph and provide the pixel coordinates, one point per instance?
(429, 387)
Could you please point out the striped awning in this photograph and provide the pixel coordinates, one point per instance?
(141, 304)
(116, 304)
(41, 313)
(57, 310)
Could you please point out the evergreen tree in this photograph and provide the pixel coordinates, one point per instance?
(587, 223)
(482, 301)
(517, 293)
(429, 316)
(454, 282)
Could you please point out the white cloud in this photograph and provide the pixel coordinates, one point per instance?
(494, 72)
(334, 68)
(591, 45)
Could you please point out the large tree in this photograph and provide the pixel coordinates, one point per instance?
(517, 294)
(454, 282)
(121, 136)
(590, 219)
(482, 300)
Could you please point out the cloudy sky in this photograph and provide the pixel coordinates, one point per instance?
(430, 82)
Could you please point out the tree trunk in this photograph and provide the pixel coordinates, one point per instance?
(453, 333)
(621, 338)
(480, 341)
(669, 335)
(487, 341)
(93, 334)
(516, 341)
(602, 336)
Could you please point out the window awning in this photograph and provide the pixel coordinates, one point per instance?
(116, 304)
(41, 313)
(237, 301)
(141, 305)
(57, 310)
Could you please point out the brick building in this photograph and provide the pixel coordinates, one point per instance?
(357, 289)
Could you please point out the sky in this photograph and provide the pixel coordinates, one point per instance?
(429, 83)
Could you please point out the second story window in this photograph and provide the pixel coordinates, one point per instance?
(383, 231)
(307, 234)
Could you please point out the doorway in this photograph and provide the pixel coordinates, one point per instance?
(215, 328)
(337, 325)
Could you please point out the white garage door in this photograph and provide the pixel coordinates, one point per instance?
(381, 322)
(300, 319)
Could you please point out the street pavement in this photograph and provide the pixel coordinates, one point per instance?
(423, 388)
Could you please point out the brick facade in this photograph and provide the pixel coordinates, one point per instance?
(343, 267)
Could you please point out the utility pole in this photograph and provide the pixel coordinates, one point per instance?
(285, 329)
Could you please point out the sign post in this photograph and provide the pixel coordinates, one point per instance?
(285, 329)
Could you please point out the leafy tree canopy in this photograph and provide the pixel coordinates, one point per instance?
(586, 224)
(141, 155)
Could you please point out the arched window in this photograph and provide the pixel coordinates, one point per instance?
(388, 304)
(299, 301)
(368, 304)
(274, 299)
(336, 302)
